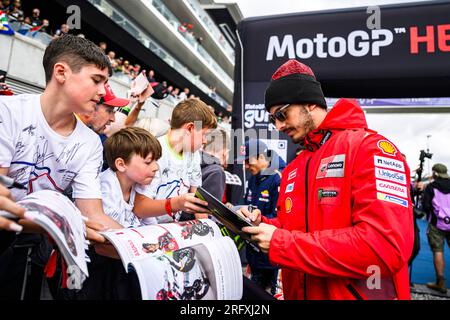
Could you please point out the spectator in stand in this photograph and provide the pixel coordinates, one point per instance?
(126, 67)
(184, 95)
(5, 90)
(170, 89)
(36, 16)
(226, 119)
(175, 93)
(112, 59)
(151, 76)
(212, 93)
(199, 40)
(64, 29)
(7, 6)
(119, 67)
(103, 46)
(45, 25)
(16, 11)
(134, 71)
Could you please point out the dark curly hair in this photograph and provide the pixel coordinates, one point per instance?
(76, 52)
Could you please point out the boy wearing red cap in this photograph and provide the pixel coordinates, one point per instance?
(344, 228)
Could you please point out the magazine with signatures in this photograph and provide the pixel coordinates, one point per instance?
(62, 220)
(188, 260)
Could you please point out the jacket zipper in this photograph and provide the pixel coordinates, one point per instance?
(306, 216)
(354, 292)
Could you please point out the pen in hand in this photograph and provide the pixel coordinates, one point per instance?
(10, 183)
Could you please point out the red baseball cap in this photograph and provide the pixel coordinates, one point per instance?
(110, 98)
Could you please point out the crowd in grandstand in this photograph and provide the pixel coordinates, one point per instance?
(31, 23)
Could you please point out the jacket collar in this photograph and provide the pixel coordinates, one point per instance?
(346, 114)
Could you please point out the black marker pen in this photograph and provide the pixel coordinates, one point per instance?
(10, 183)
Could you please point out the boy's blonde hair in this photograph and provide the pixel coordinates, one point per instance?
(129, 141)
(192, 110)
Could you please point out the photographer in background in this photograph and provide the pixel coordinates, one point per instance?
(436, 204)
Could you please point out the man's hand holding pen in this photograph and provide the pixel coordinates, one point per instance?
(262, 232)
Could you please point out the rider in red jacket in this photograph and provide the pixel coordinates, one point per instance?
(344, 228)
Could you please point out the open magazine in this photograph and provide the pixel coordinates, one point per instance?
(188, 260)
(229, 217)
(57, 215)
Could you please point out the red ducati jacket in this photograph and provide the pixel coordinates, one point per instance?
(344, 214)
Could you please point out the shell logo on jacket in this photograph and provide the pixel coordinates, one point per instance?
(387, 147)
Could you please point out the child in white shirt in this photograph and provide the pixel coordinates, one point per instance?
(131, 154)
(172, 190)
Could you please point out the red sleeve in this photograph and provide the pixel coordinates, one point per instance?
(274, 221)
(381, 235)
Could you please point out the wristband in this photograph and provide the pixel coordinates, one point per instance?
(168, 207)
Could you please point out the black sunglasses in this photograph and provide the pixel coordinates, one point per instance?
(279, 115)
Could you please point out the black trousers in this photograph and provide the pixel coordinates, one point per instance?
(21, 265)
(107, 280)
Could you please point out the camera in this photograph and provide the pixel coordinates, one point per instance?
(424, 155)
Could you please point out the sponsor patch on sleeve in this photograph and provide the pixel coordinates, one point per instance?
(390, 175)
(292, 174)
(333, 166)
(290, 187)
(392, 199)
(387, 147)
(389, 163)
(393, 188)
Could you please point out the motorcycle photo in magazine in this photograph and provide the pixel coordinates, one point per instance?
(63, 222)
(189, 260)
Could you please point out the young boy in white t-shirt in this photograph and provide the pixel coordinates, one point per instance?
(42, 143)
(131, 154)
(172, 190)
(44, 146)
